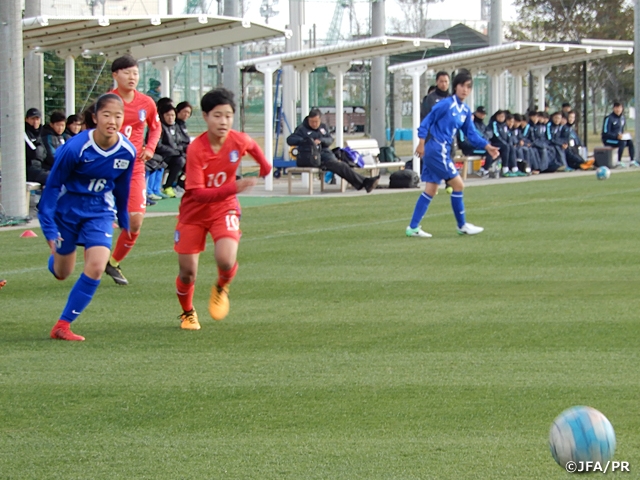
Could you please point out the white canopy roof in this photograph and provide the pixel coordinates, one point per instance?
(143, 37)
(516, 57)
(346, 52)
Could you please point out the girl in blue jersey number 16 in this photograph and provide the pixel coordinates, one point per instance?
(438, 129)
(87, 188)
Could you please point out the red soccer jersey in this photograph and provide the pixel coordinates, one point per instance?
(210, 170)
(138, 113)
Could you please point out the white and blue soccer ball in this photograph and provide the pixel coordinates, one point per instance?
(602, 173)
(581, 434)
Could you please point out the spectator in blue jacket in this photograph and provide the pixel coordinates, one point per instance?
(501, 139)
(558, 142)
(613, 133)
(574, 155)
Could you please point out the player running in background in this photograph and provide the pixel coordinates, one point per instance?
(209, 204)
(2, 283)
(438, 130)
(139, 111)
(87, 188)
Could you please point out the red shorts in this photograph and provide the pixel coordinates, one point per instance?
(137, 193)
(190, 239)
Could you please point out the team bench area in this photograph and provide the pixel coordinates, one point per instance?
(368, 148)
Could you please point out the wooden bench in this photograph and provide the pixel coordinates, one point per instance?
(465, 163)
(311, 171)
(32, 187)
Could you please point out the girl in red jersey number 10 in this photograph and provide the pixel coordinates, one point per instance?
(210, 205)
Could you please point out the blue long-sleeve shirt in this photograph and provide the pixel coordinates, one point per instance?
(445, 119)
(87, 178)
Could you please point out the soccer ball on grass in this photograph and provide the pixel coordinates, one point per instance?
(581, 434)
(602, 173)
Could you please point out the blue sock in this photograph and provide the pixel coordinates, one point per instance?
(50, 265)
(421, 209)
(457, 204)
(79, 297)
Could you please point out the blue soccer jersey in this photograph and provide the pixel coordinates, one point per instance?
(87, 182)
(445, 119)
(439, 128)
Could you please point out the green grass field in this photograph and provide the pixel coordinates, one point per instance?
(351, 351)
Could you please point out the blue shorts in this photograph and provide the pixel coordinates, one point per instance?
(87, 230)
(437, 165)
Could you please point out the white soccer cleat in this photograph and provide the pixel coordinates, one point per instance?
(469, 229)
(417, 232)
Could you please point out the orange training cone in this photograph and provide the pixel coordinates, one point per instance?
(28, 234)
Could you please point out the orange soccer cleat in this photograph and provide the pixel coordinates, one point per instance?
(189, 320)
(61, 331)
(219, 302)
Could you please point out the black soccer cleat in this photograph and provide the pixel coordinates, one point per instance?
(116, 274)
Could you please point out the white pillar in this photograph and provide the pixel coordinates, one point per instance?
(304, 110)
(304, 97)
(541, 74)
(165, 65)
(416, 73)
(33, 66)
(267, 70)
(519, 100)
(471, 99)
(289, 74)
(12, 101)
(338, 71)
(201, 86)
(165, 80)
(70, 85)
(495, 93)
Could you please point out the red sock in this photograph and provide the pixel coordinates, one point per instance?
(185, 294)
(124, 245)
(63, 324)
(225, 276)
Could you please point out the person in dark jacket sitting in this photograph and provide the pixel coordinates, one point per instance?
(559, 142)
(173, 153)
(313, 128)
(183, 113)
(52, 136)
(35, 152)
(574, 155)
(613, 133)
(501, 138)
(74, 127)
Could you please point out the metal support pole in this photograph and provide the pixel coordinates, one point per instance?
(231, 55)
(415, 73)
(519, 100)
(304, 97)
(70, 85)
(378, 112)
(11, 107)
(636, 62)
(267, 70)
(585, 104)
(33, 66)
(338, 71)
